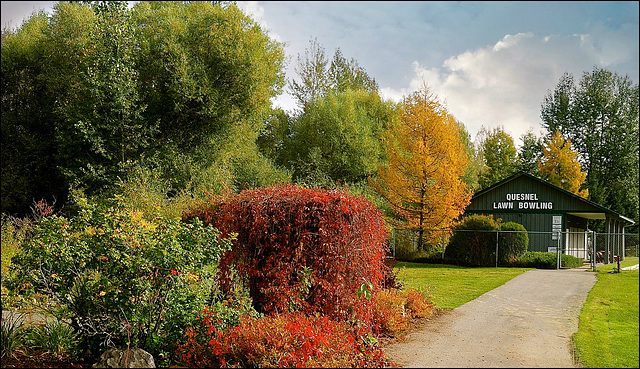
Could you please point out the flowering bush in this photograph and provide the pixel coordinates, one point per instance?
(119, 278)
(301, 249)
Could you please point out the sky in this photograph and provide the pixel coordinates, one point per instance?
(490, 63)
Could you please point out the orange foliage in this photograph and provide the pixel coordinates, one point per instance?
(559, 163)
(427, 160)
(393, 310)
(279, 341)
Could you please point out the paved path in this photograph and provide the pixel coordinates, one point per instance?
(527, 322)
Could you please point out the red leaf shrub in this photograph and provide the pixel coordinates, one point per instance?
(279, 340)
(301, 249)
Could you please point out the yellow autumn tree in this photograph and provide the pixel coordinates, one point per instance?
(422, 180)
(559, 165)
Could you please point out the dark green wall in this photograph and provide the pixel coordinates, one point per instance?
(542, 202)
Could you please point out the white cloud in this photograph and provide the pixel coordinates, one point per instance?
(253, 9)
(256, 12)
(505, 84)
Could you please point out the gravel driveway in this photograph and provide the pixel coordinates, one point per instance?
(527, 322)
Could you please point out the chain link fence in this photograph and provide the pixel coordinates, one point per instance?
(424, 245)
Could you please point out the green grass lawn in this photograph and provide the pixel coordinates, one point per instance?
(608, 328)
(607, 336)
(440, 281)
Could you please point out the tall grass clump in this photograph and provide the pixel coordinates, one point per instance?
(54, 337)
(11, 334)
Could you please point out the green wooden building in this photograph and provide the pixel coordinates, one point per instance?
(553, 217)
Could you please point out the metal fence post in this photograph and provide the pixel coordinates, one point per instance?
(593, 250)
(558, 257)
(608, 253)
(497, 233)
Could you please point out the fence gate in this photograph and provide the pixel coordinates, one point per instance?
(609, 246)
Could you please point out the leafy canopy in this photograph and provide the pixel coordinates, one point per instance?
(559, 165)
(599, 115)
(426, 162)
(499, 156)
(97, 90)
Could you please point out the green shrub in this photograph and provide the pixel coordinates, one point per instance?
(473, 242)
(405, 248)
(513, 242)
(569, 261)
(119, 278)
(406, 243)
(545, 260)
(13, 236)
(539, 260)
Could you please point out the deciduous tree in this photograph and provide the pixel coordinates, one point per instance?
(98, 88)
(339, 137)
(498, 156)
(559, 165)
(529, 153)
(318, 76)
(426, 163)
(335, 137)
(474, 160)
(599, 114)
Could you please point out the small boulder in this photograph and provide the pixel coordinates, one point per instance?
(116, 358)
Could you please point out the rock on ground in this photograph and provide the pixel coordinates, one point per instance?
(117, 358)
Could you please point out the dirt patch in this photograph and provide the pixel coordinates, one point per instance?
(41, 360)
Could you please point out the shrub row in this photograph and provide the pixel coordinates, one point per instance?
(545, 260)
(295, 339)
(311, 262)
(279, 340)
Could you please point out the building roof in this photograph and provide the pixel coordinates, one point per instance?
(573, 204)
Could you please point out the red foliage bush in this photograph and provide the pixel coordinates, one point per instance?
(279, 340)
(301, 249)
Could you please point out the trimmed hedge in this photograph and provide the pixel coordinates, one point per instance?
(473, 242)
(513, 242)
(545, 260)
